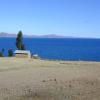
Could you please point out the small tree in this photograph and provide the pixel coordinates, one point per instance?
(1, 54)
(19, 41)
(10, 53)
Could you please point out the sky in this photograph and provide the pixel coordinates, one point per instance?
(78, 18)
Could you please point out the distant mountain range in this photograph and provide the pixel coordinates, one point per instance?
(3, 34)
(8, 35)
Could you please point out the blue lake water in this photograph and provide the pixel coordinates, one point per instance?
(58, 49)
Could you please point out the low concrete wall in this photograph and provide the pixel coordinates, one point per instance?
(22, 56)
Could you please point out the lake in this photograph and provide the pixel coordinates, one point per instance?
(74, 49)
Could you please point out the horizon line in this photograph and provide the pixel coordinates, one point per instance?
(52, 35)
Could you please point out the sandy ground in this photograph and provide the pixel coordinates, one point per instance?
(29, 79)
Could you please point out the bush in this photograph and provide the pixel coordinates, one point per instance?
(10, 53)
(1, 54)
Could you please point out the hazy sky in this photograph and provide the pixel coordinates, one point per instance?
(63, 17)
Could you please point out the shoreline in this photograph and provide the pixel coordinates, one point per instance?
(52, 60)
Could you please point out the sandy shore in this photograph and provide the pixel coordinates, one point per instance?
(29, 79)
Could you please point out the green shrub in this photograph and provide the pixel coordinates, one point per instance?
(1, 54)
(10, 53)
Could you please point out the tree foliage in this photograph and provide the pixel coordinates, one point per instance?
(19, 41)
(10, 53)
(1, 53)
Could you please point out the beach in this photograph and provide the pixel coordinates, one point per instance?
(34, 79)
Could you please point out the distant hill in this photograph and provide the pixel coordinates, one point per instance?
(49, 36)
(8, 35)
(3, 34)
